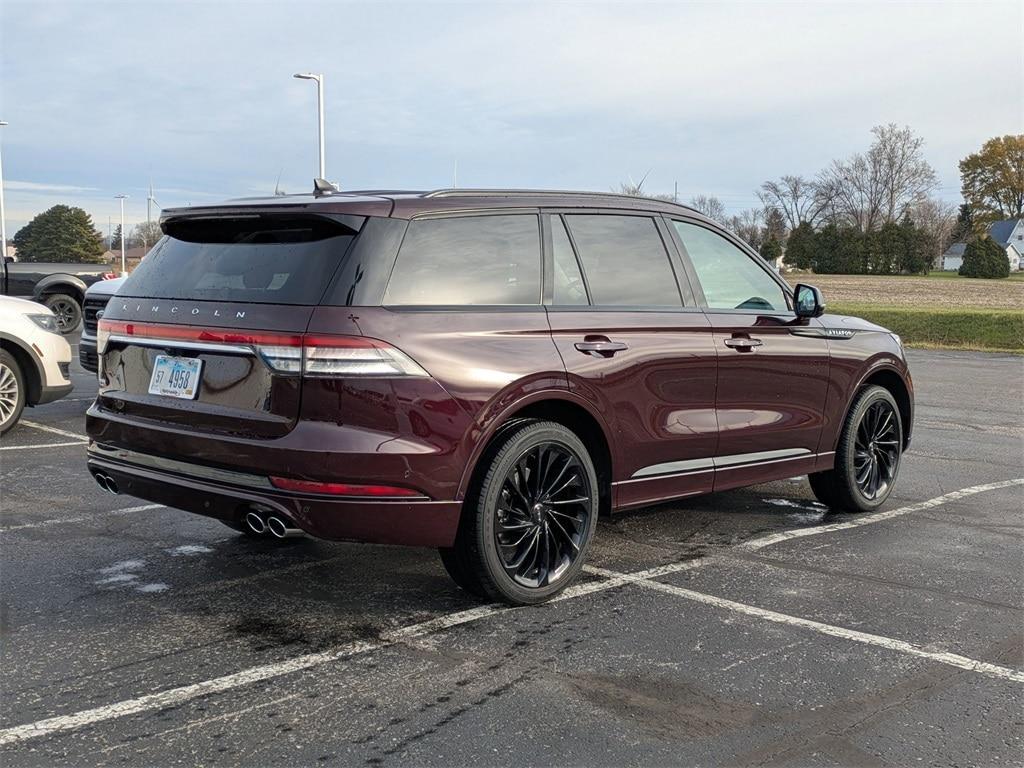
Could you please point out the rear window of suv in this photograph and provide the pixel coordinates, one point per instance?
(481, 260)
(260, 260)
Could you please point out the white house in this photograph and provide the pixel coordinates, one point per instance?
(953, 257)
(1009, 233)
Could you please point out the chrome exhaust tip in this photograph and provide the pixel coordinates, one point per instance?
(281, 528)
(107, 483)
(255, 523)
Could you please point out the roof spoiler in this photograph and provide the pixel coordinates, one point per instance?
(323, 187)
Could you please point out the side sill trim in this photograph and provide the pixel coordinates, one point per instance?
(734, 461)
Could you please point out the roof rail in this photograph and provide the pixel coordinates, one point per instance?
(466, 192)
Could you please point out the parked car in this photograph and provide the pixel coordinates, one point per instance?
(96, 297)
(61, 287)
(34, 359)
(484, 372)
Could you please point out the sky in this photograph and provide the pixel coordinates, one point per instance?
(198, 98)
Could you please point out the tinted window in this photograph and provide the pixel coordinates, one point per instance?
(364, 276)
(569, 287)
(625, 261)
(730, 278)
(473, 260)
(284, 261)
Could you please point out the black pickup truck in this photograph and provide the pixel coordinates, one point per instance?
(61, 287)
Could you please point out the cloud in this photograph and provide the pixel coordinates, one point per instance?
(32, 186)
(718, 97)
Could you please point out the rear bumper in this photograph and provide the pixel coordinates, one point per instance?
(228, 495)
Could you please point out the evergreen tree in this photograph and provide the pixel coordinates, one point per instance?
(771, 250)
(115, 241)
(984, 257)
(915, 257)
(964, 227)
(800, 247)
(61, 234)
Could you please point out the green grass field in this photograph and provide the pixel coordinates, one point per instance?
(940, 311)
(991, 330)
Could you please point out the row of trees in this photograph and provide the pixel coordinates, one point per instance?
(860, 203)
(893, 248)
(66, 234)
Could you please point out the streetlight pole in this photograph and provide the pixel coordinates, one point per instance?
(319, 78)
(3, 215)
(124, 262)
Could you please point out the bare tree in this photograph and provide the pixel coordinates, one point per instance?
(936, 219)
(637, 190)
(796, 198)
(748, 226)
(710, 206)
(879, 186)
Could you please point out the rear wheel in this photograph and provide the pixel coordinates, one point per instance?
(12, 391)
(868, 455)
(526, 528)
(68, 312)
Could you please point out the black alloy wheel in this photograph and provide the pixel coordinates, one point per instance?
(868, 455)
(67, 311)
(529, 518)
(544, 508)
(877, 449)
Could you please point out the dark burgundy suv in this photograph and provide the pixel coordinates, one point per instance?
(484, 372)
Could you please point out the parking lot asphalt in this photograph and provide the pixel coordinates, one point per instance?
(743, 628)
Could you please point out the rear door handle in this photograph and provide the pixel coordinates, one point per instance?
(742, 343)
(600, 348)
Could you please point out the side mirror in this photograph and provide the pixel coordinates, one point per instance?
(8, 259)
(808, 301)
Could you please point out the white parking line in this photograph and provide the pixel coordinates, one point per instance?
(79, 519)
(177, 696)
(54, 430)
(877, 517)
(39, 445)
(952, 659)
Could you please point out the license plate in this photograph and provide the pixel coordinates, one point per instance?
(176, 377)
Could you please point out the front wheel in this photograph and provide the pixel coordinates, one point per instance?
(12, 391)
(527, 526)
(868, 456)
(67, 311)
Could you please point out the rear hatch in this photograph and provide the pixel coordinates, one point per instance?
(206, 334)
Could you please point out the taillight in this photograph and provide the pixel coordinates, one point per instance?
(342, 489)
(311, 354)
(355, 356)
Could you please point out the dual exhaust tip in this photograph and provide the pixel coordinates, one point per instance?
(256, 521)
(107, 483)
(279, 527)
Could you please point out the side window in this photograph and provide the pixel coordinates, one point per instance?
(569, 288)
(625, 261)
(473, 260)
(730, 278)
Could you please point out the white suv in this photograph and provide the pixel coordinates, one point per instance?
(34, 359)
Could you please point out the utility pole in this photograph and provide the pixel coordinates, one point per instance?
(3, 216)
(124, 261)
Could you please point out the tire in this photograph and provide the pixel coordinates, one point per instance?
(868, 456)
(12, 391)
(67, 310)
(538, 478)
